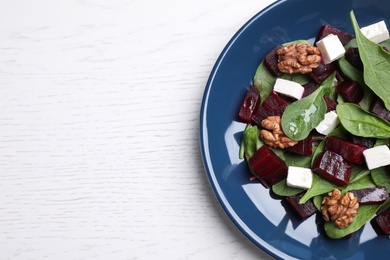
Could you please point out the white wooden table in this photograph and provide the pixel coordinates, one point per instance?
(99, 122)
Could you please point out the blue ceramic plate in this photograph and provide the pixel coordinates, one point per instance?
(263, 219)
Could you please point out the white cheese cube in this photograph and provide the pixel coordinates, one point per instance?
(289, 88)
(329, 123)
(377, 156)
(331, 48)
(299, 177)
(376, 32)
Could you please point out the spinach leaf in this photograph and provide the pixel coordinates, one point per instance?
(376, 62)
(302, 116)
(365, 213)
(381, 177)
(282, 189)
(360, 122)
(250, 141)
(263, 81)
(320, 186)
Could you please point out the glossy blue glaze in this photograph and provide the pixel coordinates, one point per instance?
(263, 219)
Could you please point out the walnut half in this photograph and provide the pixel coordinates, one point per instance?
(273, 134)
(298, 57)
(339, 208)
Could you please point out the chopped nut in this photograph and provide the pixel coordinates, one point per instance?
(339, 208)
(273, 134)
(298, 57)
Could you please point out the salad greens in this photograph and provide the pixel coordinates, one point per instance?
(302, 116)
(376, 63)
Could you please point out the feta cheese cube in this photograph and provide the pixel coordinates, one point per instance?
(331, 48)
(376, 32)
(329, 123)
(289, 88)
(299, 177)
(377, 156)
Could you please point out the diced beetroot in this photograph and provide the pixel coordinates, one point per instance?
(303, 147)
(363, 141)
(349, 151)
(383, 221)
(330, 104)
(271, 62)
(268, 166)
(327, 29)
(323, 71)
(353, 57)
(378, 108)
(350, 90)
(273, 105)
(333, 168)
(368, 196)
(249, 105)
(303, 210)
(309, 87)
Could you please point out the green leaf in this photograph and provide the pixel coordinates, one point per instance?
(381, 177)
(319, 186)
(376, 62)
(302, 116)
(365, 213)
(360, 122)
(282, 189)
(250, 141)
(264, 81)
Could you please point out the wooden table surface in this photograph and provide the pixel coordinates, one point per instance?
(99, 129)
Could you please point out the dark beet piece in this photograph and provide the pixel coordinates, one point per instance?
(330, 104)
(368, 196)
(268, 166)
(327, 29)
(303, 147)
(323, 71)
(273, 105)
(333, 168)
(378, 108)
(350, 90)
(309, 87)
(249, 105)
(271, 62)
(364, 141)
(303, 210)
(349, 151)
(383, 221)
(353, 57)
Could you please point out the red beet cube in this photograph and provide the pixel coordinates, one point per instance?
(323, 71)
(350, 90)
(303, 147)
(273, 105)
(330, 104)
(303, 210)
(327, 29)
(353, 57)
(363, 141)
(268, 166)
(271, 62)
(383, 221)
(309, 87)
(349, 151)
(378, 108)
(333, 168)
(249, 105)
(368, 196)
